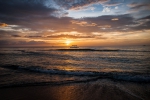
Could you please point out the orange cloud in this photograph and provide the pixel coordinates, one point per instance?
(3, 25)
(114, 19)
(105, 26)
(83, 23)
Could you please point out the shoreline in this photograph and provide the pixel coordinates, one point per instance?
(99, 90)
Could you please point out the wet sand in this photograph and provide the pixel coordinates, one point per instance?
(82, 91)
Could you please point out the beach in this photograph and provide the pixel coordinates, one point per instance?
(99, 90)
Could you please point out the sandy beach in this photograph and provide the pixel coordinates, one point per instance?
(100, 90)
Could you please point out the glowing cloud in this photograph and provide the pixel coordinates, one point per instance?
(3, 25)
(114, 19)
(83, 23)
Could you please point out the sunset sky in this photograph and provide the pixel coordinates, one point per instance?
(74, 22)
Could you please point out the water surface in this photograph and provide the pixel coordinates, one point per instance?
(57, 65)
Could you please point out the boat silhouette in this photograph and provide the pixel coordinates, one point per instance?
(74, 46)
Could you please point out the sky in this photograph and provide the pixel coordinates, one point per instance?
(74, 22)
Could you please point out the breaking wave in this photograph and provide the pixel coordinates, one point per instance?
(116, 76)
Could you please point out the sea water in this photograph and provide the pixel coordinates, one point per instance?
(63, 65)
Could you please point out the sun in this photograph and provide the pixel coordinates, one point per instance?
(68, 42)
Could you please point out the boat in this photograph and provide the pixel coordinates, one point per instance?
(74, 46)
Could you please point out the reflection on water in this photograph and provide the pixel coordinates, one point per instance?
(35, 65)
(101, 90)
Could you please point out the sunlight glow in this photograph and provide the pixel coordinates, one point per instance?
(68, 42)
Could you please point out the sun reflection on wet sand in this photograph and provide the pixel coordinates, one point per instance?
(100, 90)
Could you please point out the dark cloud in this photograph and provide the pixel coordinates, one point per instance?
(5, 43)
(36, 16)
(71, 36)
(75, 4)
(33, 36)
(104, 23)
(144, 23)
(24, 8)
(147, 17)
(22, 12)
(16, 36)
(113, 3)
(63, 36)
(4, 34)
(86, 25)
(30, 43)
(107, 20)
(136, 6)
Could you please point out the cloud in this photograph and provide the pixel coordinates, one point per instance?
(147, 17)
(59, 36)
(112, 3)
(38, 26)
(136, 7)
(77, 4)
(116, 7)
(106, 9)
(6, 43)
(34, 17)
(15, 35)
(4, 33)
(3, 25)
(107, 20)
(142, 24)
(71, 36)
(92, 8)
(105, 26)
(31, 43)
(33, 36)
(83, 23)
(88, 25)
(114, 19)
(21, 11)
(24, 7)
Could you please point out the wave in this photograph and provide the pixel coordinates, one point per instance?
(100, 50)
(55, 83)
(116, 76)
(78, 49)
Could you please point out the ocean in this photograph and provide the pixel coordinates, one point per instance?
(31, 66)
